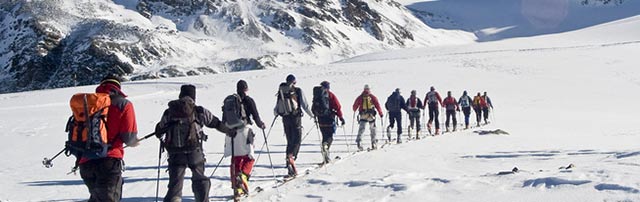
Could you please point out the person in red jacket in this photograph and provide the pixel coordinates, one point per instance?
(103, 176)
(367, 104)
(451, 106)
(327, 124)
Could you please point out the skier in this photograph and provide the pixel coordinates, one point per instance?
(477, 107)
(414, 105)
(434, 101)
(243, 138)
(103, 176)
(465, 102)
(289, 104)
(394, 105)
(326, 108)
(183, 141)
(485, 107)
(451, 106)
(367, 105)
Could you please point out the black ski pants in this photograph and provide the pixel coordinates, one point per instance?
(434, 112)
(327, 128)
(467, 112)
(478, 114)
(293, 132)
(103, 178)
(485, 112)
(396, 117)
(414, 120)
(451, 114)
(200, 183)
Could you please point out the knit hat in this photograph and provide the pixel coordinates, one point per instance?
(397, 90)
(188, 90)
(432, 88)
(291, 78)
(112, 80)
(413, 92)
(325, 84)
(366, 87)
(464, 93)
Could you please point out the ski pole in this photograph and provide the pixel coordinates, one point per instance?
(353, 122)
(48, 162)
(315, 119)
(268, 133)
(158, 177)
(269, 154)
(161, 131)
(346, 138)
(216, 168)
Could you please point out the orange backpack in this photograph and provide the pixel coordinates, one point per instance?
(87, 126)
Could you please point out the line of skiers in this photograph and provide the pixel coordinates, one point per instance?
(180, 131)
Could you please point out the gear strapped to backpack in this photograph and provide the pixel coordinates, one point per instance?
(432, 97)
(183, 134)
(234, 115)
(287, 103)
(368, 113)
(320, 106)
(464, 101)
(87, 127)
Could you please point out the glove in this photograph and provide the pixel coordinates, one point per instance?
(134, 144)
(262, 126)
(232, 133)
(341, 121)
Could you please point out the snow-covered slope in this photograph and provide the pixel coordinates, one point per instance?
(58, 43)
(567, 98)
(502, 19)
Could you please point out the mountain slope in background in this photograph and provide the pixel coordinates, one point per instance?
(58, 43)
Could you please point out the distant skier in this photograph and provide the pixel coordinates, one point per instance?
(367, 104)
(290, 103)
(485, 107)
(478, 102)
(451, 106)
(434, 101)
(465, 102)
(394, 105)
(326, 108)
(414, 105)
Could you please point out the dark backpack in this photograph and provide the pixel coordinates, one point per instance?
(393, 103)
(233, 113)
(287, 103)
(87, 129)
(320, 106)
(183, 132)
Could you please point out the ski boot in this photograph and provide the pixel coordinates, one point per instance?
(417, 135)
(325, 153)
(242, 185)
(399, 140)
(291, 167)
(446, 130)
(466, 126)
(359, 146)
(454, 128)
(374, 146)
(437, 131)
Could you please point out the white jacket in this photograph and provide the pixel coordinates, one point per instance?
(243, 143)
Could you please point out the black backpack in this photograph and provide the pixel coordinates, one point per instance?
(233, 113)
(287, 103)
(393, 103)
(320, 106)
(183, 133)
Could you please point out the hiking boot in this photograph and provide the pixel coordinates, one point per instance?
(373, 145)
(399, 140)
(437, 131)
(359, 146)
(446, 130)
(291, 167)
(454, 129)
(466, 126)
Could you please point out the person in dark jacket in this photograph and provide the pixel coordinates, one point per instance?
(243, 154)
(414, 105)
(451, 106)
(103, 177)
(485, 107)
(394, 105)
(327, 124)
(290, 105)
(190, 154)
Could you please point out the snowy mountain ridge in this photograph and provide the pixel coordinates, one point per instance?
(58, 43)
